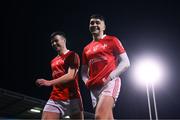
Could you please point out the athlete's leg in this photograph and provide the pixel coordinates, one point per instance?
(76, 109)
(50, 115)
(104, 108)
(107, 98)
(78, 115)
(51, 111)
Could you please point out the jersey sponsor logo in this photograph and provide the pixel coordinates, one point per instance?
(57, 62)
(96, 48)
(57, 67)
(99, 59)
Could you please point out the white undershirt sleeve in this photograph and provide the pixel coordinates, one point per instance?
(123, 64)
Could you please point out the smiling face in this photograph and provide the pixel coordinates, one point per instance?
(58, 42)
(96, 26)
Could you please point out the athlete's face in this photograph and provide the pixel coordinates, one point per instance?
(96, 26)
(58, 42)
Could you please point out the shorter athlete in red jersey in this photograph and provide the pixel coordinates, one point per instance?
(103, 61)
(65, 98)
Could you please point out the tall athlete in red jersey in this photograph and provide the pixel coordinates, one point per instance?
(103, 61)
(65, 98)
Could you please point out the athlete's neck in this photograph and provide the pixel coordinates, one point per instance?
(63, 51)
(97, 37)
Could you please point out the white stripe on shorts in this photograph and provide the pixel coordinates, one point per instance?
(112, 88)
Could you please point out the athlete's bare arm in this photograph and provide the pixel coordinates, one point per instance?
(61, 80)
(84, 73)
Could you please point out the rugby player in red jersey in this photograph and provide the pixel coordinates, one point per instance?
(65, 98)
(104, 59)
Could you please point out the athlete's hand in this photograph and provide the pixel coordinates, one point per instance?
(106, 80)
(43, 82)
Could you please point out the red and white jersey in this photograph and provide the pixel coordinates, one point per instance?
(59, 67)
(100, 57)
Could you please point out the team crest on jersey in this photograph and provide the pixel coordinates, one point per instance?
(104, 46)
(57, 62)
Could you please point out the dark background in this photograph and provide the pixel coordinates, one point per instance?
(151, 26)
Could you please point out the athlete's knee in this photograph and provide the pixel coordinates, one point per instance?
(98, 116)
(78, 115)
(103, 113)
(43, 117)
(103, 116)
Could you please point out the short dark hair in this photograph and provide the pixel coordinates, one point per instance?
(97, 16)
(57, 33)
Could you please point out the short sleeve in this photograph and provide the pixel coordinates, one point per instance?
(73, 60)
(117, 46)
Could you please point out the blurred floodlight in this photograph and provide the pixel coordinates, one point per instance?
(148, 71)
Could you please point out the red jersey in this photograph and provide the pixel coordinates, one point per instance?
(100, 56)
(59, 67)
